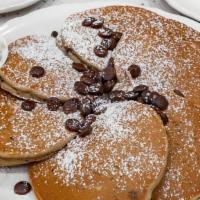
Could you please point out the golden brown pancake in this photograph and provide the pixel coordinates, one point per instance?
(167, 53)
(15, 162)
(24, 54)
(123, 158)
(79, 41)
(182, 178)
(30, 135)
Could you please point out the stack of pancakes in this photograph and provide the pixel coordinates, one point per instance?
(117, 91)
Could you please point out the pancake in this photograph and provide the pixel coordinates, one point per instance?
(15, 162)
(123, 158)
(79, 41)
(54, 78)
(167, 54)
(182, 178)
(30, 135)
(148, 35)
(166, 51)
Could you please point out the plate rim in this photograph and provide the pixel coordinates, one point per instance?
(6, 27)
(182, 9)
(17, 6)
(182, 19)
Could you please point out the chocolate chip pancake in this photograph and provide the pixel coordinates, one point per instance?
(91, 36)
(151, 50)
(37, 69)
(30, 131)
(123, 158)
(182, 178)
(15, 162)
(162, 54)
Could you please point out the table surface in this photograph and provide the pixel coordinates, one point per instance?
(45, 3)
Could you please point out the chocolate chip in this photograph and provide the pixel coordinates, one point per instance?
(89, 77)
(86, 107)
(146, 96)
(84, 131)
(109, 44)
(37, 72)
(54, 34)
(79, 67)
(140, 88)
(72, 125)
(88, 21)
(158, 101)
(87, 80)
(53, 104)
(71, 105)
(134, 71)
(117, 36)
(117, 95)
(98, 23)
(105, 33)
(28, 105)
(131, 95)
(100, 51)
(22, 188)
(95, 89)
(108, 86)
(179, 93)
(109, 72)
(133, 195)
(81, 87)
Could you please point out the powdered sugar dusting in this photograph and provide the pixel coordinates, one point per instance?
(183, 166)
(25, 132)
(168, 54)
(82, 40)
(117, 148)
(41, 51)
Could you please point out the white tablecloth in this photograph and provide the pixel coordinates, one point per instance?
(45, 3)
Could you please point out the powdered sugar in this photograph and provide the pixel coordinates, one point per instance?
(41, 51)
(32, 132)
(168, 55)
(113, 149)
(159, 53)
(165, 50)
(183, 166)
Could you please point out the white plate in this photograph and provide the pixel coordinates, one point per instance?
(12, 5)
(3, 50)
(191, 8)
(43, 22)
